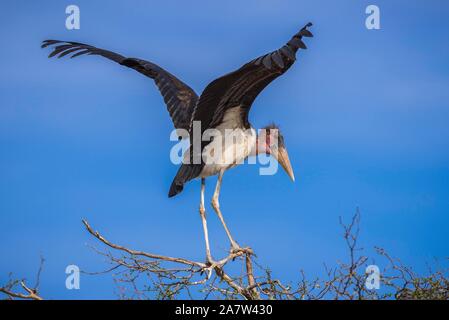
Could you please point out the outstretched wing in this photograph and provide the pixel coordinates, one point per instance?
(179, 97)
(241, 87)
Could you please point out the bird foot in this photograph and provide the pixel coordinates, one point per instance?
(210, 267)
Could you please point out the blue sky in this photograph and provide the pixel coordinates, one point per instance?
(364, 114)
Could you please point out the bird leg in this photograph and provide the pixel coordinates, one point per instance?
(203, 219)
(216, 206)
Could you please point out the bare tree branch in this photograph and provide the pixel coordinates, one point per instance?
(171, 281)
(143, 275)
(27, 293)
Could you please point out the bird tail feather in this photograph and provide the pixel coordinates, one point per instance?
(185, 173)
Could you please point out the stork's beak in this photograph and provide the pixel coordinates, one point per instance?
(284, 161)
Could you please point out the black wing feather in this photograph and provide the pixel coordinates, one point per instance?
(179, 97)
(241, 87)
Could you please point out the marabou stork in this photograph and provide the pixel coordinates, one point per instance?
(224, 104)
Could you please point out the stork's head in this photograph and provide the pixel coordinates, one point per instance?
(273, 144)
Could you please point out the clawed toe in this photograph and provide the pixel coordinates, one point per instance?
(209, 267)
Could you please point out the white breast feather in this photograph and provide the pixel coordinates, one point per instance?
(235, 151)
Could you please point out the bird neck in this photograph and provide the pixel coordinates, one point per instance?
(259, 146)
